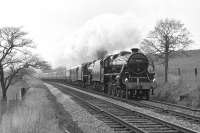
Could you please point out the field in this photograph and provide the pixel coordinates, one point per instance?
(184, 87)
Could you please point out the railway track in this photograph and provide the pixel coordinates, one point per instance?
(121, 119)
(175, 105)
(166, 111)
(161, 110)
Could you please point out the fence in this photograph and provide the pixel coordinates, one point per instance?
(187, 74)
(195, 72)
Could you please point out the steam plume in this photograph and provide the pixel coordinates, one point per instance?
(100, 53)
(100, 36)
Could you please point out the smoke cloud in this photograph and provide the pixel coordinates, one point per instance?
(100, 53)
(102, 35)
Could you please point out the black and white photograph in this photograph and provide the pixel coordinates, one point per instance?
(99, 66)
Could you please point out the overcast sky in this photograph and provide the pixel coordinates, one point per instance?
(62, 27)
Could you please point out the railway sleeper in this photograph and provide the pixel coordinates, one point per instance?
(122, 131)
(129, 117)
(136, 119)
(115, 125)
(156, 128)
(119, 130)
(148, 124)
(110, 122)
(133, 119)
(140, 122)
(145, 125)
(167, 131)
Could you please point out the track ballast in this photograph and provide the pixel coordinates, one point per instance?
(122, 119)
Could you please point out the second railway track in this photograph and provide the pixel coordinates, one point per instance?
(124, 120)
(179, 115)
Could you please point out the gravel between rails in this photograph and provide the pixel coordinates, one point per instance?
(169, 119)
(87, 122)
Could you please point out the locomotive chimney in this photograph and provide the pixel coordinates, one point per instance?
(135, 50)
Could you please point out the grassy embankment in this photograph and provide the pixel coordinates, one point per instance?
(35, 114)
(182, 89)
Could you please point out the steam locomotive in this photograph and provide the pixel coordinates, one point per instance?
(126, 75)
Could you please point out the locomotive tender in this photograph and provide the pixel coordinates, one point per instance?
(125, 75)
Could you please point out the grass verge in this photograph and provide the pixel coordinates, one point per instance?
(34, 114)
(64, 118)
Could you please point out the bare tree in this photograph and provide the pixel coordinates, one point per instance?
(168, 37)
(14, 56)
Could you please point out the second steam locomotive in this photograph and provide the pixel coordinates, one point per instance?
(125, 75)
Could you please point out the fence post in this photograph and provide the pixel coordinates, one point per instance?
(195, 73)
(179, 71)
